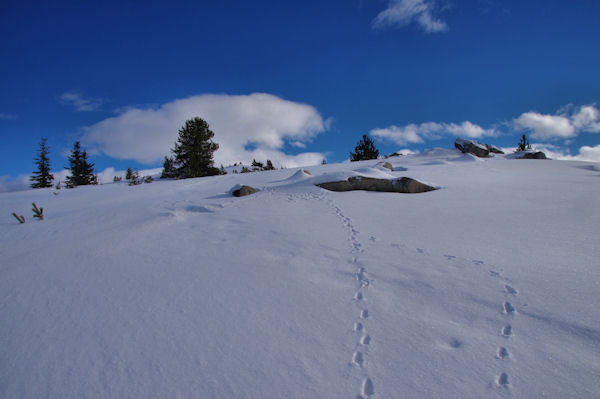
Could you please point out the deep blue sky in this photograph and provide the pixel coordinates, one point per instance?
(492, 62)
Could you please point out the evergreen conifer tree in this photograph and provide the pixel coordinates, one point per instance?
(82, 171)
(42, 177)
(269, 165)
(169, 170)
(256, 165)
(194, 150)
(365, 149)
(524, 144)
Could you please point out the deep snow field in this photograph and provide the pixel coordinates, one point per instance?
(487, 287)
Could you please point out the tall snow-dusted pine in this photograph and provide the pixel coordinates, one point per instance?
(194, 150)
(82, 171)
(42, 177)
(365, 149)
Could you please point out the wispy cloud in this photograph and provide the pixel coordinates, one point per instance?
(7, 116)
(401, 13)
(263, 120)
(10, 183)
(80, 102)
(568, 122)
(413, 133)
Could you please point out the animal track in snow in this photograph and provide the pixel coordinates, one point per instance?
(508, 308)
(511, 290)
(362, 277)
(506, 331)
(450, 257)
(358, 358)
(478, 262)
(367, 387)
(503, 380)
(502, 353)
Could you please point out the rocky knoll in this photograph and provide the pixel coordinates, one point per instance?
(404, 185)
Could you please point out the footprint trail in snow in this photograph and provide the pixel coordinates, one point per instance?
(359, 356)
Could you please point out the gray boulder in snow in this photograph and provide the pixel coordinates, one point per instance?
(534, 155)
(472, 147)
(494, 149)
(386, 165)
(244, 190)
(404, 185)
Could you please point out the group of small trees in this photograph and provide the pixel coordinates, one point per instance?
(82, 171)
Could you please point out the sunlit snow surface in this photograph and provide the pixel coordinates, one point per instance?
(487, 287)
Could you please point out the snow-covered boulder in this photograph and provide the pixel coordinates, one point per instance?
(494, 149)
(243, 191)
(472, 147)
(404, 185)
(534, 155)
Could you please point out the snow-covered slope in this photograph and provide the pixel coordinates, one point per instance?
(487, 287)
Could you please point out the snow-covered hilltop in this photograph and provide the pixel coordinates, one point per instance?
(486, 287)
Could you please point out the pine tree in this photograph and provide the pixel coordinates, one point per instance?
(194, 150)
(365, 149)
(82, 171)
(269, 165)
(42, 177)
(169, 170)
(128, 174)
(256, 165)
(524, 144)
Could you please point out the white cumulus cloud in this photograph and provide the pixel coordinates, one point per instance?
(405, 12)
(587, 119)
(261, 121)
(545, 126)
(566, 123)
(413, 133)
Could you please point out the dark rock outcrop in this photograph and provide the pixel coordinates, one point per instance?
(404, 185)
(494, 149)
(472, 147)
(244, 190)
(534, 155)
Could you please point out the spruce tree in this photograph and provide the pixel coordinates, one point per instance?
(365, 149)
(269, 165)
(194, 150)
(523, 144)
(42, 177)
(82, 171)
(169, 170)
(256, 165)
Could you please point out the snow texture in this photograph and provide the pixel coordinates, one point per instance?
(487, 287)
